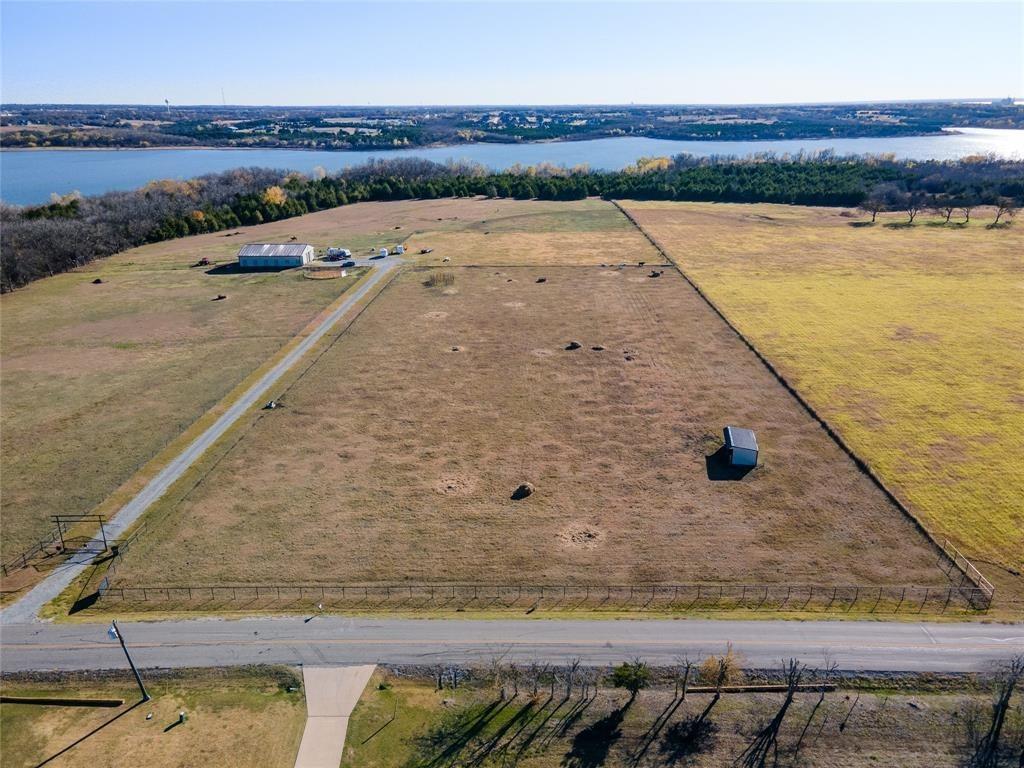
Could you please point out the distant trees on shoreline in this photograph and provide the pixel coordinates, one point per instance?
(71, 231)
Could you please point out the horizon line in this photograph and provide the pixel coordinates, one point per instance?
(523, 105)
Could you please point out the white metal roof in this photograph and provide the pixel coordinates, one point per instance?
(737, 437)
(270, 250)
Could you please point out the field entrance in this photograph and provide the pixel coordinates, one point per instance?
(397, 453)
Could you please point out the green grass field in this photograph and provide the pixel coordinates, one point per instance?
(909, 341)
(235, 719)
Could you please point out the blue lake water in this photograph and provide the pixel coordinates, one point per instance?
(30, 176)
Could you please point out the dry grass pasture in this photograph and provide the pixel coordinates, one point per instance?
(396, 453)
(516, 232)
(909, 341)
(97, 378)
(235, 720)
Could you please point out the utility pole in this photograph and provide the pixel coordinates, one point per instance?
(114, 632)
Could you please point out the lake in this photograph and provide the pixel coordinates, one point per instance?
(29, 176)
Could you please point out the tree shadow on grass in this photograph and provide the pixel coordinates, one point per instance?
(444, 745)
(93, 732)
(859, 224)
(687, 738)
(590, 747)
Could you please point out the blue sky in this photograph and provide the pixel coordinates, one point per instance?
(292, 53)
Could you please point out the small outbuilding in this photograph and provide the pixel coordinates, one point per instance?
(266, 255)
(740, 447)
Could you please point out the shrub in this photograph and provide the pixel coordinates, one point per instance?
(634, 676)
(728, 666)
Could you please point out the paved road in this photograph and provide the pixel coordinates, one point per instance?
(29, 605)
(327, 640)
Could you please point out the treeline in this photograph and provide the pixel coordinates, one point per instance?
(71, 231)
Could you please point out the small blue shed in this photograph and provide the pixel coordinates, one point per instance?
(741, 447)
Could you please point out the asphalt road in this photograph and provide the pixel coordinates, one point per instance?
(328, 640)
(30, 604)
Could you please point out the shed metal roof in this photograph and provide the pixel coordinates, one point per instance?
(737, 437)
(270, 250)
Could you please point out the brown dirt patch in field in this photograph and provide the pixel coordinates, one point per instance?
(906, 333)
(581, 536)
(455, 484)
(611, 444)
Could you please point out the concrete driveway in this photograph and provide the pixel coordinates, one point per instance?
(331, 695)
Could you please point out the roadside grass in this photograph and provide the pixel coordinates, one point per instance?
(378, 451)
(235, 719)
(411, 724)
(909, 342)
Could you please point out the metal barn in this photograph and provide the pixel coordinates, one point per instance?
(741, 447)
(260, 255)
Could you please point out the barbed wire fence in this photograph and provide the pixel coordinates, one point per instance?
(483, 597)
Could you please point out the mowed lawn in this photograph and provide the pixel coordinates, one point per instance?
(396, 453)
(909, 341)
(98, 378)
(234, 720)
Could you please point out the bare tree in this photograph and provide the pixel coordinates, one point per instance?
(912, 203)
(1005, 206)
(766, 742)
(682, 676)
(826, 676)
(987, 751)
(571, 675)
(875, 201)
(944, 206)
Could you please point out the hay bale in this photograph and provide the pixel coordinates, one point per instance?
(522, 491)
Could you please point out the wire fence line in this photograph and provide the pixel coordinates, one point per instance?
(674, 597)
(969, 573)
